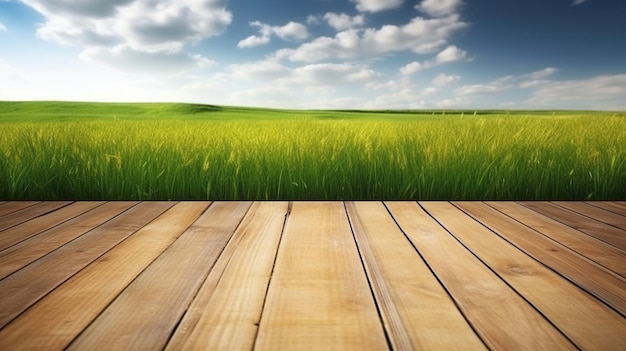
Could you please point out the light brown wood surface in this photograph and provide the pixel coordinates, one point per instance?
(47, 273)
(416, 309)
(12, 206)
(474, 286)
(542, 287)
(312, 275)
(64, 313)
(19, 255)
(594, 212)
(227, 310)
(14, 218)
(594, 249)
(595, 228)
(319, 298)
(604, 284)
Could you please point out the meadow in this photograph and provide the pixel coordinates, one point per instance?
(79, 151)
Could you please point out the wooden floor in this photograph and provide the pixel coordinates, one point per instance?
(313, 275)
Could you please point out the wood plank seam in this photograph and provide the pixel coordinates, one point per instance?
(390, 319)
(494, 271)
(604, 216)
(432, 271)
(600, 299)
(280, 240)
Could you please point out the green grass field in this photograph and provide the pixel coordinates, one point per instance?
(54, 150)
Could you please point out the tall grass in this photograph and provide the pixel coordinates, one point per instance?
(299, 157)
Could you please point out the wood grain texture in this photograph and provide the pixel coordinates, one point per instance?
(311, 275)
(564, 304)
(594, 249)
(20, 255)
(64, 313)
(28, 213)
(597, 229)
(12, 206)
(35, 226)
(45, 274)
(226, 312)
(475, 288)
(594, 212)
(603, 284)
(417, 311)
(612, 206)
(145, 314)
(319, 298)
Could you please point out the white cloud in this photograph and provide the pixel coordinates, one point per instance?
(411, 68)
(437, 8)
(523, 81)
(451, 54)
(267, 70)
(290, 31)
(478, 89)
(311, 19)
(444, 79)
(128, 59)
(420, 36)
(376, 5)
(3, 28)
(341, 21)
(447, 55)
(601, 92)
(330, 74)
(253, 41)
(170, 26)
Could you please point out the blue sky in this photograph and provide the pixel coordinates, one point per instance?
(365, 54)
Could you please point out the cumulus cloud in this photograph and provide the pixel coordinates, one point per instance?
(602, 92)
(451, 54)
(522, 81)
(133, 34)
(128, 59)
(170, 26)
(411, 68)
(421, 36)
(290, 31)
(331, 74)
(341, 21)
(266, 70)
(437, 8)
(444, 79)
(376, 5)
(447, 55)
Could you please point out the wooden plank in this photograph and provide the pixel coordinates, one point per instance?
(609, 234)
(144, 316)
(59, 317)
(35, 226)
(596, 250)
(603, 284)
(417, 311)
(594, 212)
(22, 254)
(29, 213)
(319, 298)
(23, 288)
(566, 305)
(226, 312)
(499, 315)
(12, 206)
(614, 207)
